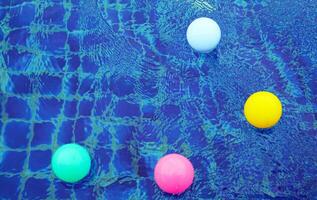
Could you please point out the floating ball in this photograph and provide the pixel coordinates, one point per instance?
(174, 173)
(263, 109)
(203, 34)
(71, 163)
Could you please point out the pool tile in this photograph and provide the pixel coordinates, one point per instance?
(54, 14)
(16, 134)
(12, 162)
(53, 42)
(75, 2)
(5, 3)
(17, 108)
(89, 66)
(125, 133)
(57, 63)
(148, 111)
(112, 15)
(62, 191)
(85, 107)
(143, 168)
(148, 191)
(9, 186)
(139, 17)
(17, 60)
(83, 128)
(66, 132)
(73, 42)
(83, 193)
(121, 191)
(18, 36)
(1, 31)
(72, 23)
(123, 161)
(126, 109)
(102, 159)
(122, 86)
(149, 86)
(170, 110)
(42, 133)
(22, 15)
(87, 86)
(70, 108)
(39, 160)
(173, 132)
(73, 63)
(102, 105)
(36, 188)
(50, 84)
(71, 84)
(104, 137)
(21, 84)
(49, 108)
(18, 2)
(126, 15)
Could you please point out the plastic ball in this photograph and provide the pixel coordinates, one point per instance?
(263, 109)
(71, 163)
(203, 34)
(174, 173)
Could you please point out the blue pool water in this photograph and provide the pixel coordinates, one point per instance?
(118, 77)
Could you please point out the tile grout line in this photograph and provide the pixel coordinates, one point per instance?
(57, 127)
(33, 102)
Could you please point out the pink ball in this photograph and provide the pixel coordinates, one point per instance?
(174, 173)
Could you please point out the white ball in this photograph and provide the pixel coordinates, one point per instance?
(203, 34)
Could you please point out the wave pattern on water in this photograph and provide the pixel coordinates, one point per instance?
(118, 77)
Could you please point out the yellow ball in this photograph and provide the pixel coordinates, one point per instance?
(263, 109)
